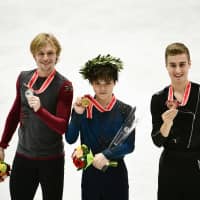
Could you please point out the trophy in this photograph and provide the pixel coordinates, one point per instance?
(123, 133)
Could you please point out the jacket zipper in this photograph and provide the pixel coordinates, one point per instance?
(194, 117)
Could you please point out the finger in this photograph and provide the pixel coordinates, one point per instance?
(1, 179)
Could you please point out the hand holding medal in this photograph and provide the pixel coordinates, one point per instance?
(33, 101)
(172, 104)
(85, 102)
(81, 104)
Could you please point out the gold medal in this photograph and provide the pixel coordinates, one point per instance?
(85, 102)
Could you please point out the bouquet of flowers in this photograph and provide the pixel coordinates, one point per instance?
(83, 157)
(4, 170)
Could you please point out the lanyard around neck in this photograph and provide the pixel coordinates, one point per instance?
(44, 86)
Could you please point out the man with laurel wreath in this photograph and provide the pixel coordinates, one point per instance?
(97, 119)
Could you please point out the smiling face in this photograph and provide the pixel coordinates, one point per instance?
(45, 49)
(178, 68)
(45, 59)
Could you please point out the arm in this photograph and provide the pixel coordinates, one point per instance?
(167, 117)
(124, 140)
(72, 132)
(12, 119)
(156, 113)
(102, 159)
(2, 154)
(59, 121)
(121, 150)
(162, 121)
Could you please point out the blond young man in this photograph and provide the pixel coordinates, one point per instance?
(42, 109)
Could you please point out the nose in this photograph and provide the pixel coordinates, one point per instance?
(178, 69)
(103, 87)
(45, 57)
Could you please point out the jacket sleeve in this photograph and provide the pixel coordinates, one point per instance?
(121, 150)
(156, 112)
(13, 119)
(128, 145)
(72, 132)
(59, 121)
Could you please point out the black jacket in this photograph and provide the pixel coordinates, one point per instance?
(185, 132)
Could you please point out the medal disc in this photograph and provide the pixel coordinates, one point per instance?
(85, 102)
(28, 93)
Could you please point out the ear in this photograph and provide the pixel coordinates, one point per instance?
(189, 62)
(57, 59)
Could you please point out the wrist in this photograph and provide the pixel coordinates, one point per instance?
(1, 149)
(165, 128)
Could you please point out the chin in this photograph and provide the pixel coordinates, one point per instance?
(47, 68)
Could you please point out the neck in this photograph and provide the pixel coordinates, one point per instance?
(42, 73)
(180, 88)
(104, 102)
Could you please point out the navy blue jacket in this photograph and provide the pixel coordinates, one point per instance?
(98, 132)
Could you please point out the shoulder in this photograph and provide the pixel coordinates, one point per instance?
(24, 76)
(122, 104)
(65, 82)
(158, 99)
(162, 91)
(195, 90)
(60, 76)
(160, 94)
(195, 85)
(26, 73)
(124, 108)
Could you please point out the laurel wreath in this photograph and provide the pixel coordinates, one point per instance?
(100, 61)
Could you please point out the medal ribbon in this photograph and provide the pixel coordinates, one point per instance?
(93, 102)
(44, 85)
(185, 95)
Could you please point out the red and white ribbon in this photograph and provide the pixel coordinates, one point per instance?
(98, 106)
(44, 85)
(185, 95)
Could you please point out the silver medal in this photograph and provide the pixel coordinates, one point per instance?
(28, 93)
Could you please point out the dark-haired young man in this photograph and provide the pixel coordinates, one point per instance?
(97, 125)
